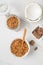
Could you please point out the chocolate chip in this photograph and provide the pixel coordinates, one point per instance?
(36, 48)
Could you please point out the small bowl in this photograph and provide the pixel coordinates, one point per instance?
(25, 53)
(19, 23)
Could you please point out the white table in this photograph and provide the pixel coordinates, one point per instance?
(7, 35)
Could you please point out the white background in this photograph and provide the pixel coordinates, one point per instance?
(7, 35)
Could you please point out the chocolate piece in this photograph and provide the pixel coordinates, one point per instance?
(32, 42)
(36, 48)
(38, 32)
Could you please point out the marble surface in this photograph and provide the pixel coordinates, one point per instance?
(7, 36)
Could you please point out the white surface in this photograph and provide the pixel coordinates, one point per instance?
(3, 63)
(7, 36)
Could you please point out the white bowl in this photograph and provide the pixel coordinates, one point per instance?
(25, 53)
(33, 12)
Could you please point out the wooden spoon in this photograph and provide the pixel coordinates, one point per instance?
(24, 35)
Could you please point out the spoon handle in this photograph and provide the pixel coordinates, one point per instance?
(25, 30)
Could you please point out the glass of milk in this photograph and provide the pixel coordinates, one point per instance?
(33, 12)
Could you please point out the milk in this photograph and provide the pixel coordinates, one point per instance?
(33, 11)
